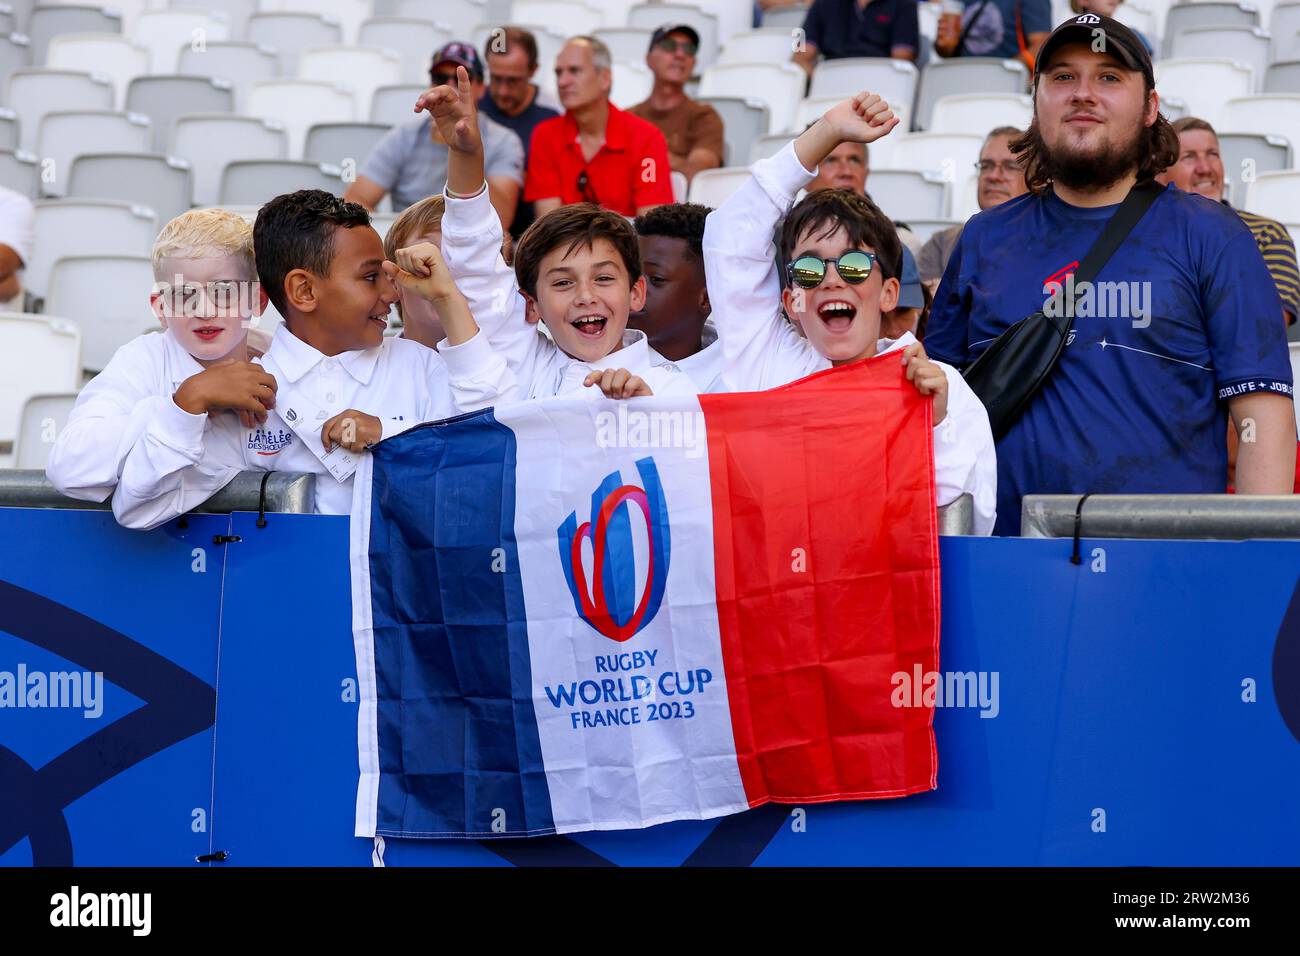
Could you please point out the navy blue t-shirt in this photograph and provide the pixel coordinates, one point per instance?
(993, 33)
(838, 28)
(1184, 317)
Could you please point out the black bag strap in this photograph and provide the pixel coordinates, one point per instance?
(1116, 230)
(961, 40)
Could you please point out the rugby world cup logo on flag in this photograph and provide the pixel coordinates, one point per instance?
(611, 602)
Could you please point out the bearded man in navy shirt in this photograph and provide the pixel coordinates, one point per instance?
(1182, 330)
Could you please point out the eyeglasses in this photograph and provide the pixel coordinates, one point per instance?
(854, 267)
(584, 187)
(496, 79)
(441, 78)
(1008, 166)
(669, 45)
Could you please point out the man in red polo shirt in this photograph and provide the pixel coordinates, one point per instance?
(595, 152)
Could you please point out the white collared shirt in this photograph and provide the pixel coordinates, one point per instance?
(704, 367)
(471, 246)
(761, 349)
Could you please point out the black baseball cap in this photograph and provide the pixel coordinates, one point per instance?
(668, 28)
(1102, 34)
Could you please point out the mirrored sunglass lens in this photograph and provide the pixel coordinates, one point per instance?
(854, 266)
(808, 272)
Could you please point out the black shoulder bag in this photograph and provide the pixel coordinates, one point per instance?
(1014, 367)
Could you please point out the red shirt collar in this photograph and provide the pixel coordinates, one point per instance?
(616, 129)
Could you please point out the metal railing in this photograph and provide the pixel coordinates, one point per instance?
(1221, 517)
(284, 492)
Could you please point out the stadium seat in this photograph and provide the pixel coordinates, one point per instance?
(895, 80)
(15, 53)
(1141, 18)
(954, 155)
(459, 18)
(36, 91)
(779, 85)
(1284, 24)
(1276, 195)
(711, 187)
(1248, 45)
(164, 183)
(9, 132)
(764, 146)
(963, 200)
(382, 221)
(786, 17)
(38, 354)
(350, 14)
(300, 104)
(107, 297)
(210, 141)
(1283, 77)
(1275, 113)
(39, 423)
(1204, 84)
(1266, 153)
(339, 143)
(681, 188)
(116, 57)
(743, 120)
(413, 40)
(629, 44)
(977, 113)
(811, 109)
(632, 83)
(907, 194)
(20, 171)
(360, 69)
(394, 105)
(650, 16)
(583, 17)
(7, 18)
(1186, 16)
(47, 22)
(924, 228)
(254, 181)
(238, 63)
(164, 98)
(165, 32)
(85, 227)
(765, 45)
(291, 33)
(236, 12)
(66, 135)
(966, 75)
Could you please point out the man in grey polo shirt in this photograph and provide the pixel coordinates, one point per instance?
(411, 161)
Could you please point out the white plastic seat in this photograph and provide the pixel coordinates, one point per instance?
(236, 12)
(394, 105)
(895, 80)
(786, 17)
(1247, 45)
(779, 85)
(254, 181)
(413, 40)
(65, 135)
(164, 98)
(764, 45)
(459, 18)
(49, 21)
(583, 17)
(1264, 152)
(20, 171)
(337, 143)
(35, 92)
(40, 421)
(764, 146)
(632, 83)
(1204, 84)
(15, 53)
(164, 183)
(298, 105)
(811, 109)
(239, 63)
(1136, 17)
(1283, 77)
(1275, 113)
(744, 120)
(681, 188)
(907, 194)
(9, 132)
(1276, 195)
(1186, 16)
(85, 227)
(651, 16)
(711, 187)
(630, 44)
(1284, 24)
(107, 297)
(969, 74)
(349, 14)
(924, 228)
(291, 33)
(116, 57)
(38, 354)
(950, 154)
(360, 69)
(977, 113)
(165, 32)
(210, 141)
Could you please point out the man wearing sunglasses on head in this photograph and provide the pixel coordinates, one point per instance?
(411, 160)
(840, 263)
(693, 129)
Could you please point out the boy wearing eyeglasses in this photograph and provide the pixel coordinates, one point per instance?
(841, 259)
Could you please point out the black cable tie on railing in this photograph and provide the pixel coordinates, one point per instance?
(226, 539)
(221, 856)
(1075, 558)
(261, 501)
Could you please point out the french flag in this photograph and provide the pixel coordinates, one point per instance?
(580, 615)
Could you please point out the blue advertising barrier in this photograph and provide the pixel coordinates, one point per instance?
(1141, 708)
